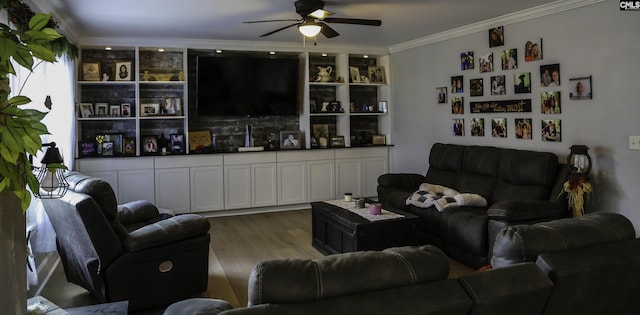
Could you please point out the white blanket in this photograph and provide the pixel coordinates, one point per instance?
(431, 195)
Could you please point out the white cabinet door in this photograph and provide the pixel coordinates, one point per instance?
(136, 185)
(172, 189)
(263, 184)
(292, 179)
(321, 181)
(207, 188)
(349, 177)
(372, 169)
(237, 186)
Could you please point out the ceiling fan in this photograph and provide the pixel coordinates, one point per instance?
(314, 18)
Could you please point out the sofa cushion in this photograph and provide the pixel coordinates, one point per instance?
(299, 280)
(599, 279)
(520, 243)
(479, 171)
(445, 162)
(98, 189)
(525, 175)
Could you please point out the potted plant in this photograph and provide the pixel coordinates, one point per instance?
(20, 131)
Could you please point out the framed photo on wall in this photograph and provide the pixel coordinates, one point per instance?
(442, 94)
(130, 146)
(580, 88)
(123, 70)
(496, 36)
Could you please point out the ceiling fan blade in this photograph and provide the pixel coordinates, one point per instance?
(354, 21)
(327, 31)
(280, 29)
(266, 21)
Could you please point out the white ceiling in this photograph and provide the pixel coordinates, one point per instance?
(402, 20)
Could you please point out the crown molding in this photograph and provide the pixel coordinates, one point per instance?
(228, 45)
(520, 16)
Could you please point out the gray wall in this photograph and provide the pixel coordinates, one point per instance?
(598, 40)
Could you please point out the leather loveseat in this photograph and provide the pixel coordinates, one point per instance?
(127, 252)
(595, 276)
(519, 186)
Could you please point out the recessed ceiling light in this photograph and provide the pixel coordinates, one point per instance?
(324, 54)
(161, 49)
(218, 51)
(366, 56)
(272, 53)
(107, 48)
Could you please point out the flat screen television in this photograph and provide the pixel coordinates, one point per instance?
(247, 86)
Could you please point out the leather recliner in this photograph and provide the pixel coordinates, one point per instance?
(127, 252)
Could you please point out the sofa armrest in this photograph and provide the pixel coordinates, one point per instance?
(401, 180)
(514, 211)
(166, 231)
(137, 211)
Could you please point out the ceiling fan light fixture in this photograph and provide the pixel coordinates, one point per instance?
(319, 14)
(309, 30)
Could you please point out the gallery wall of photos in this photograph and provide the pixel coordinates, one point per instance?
(485, 76)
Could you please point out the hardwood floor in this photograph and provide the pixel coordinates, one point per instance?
(238, 243)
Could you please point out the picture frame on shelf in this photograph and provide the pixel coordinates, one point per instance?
(337, 142)
(122, 70)
(87, 149)
(172, 106)
(130, 146)
(107, 148)
(101, 109)
(377, 75)
(290, 139)
(354, 75)
(86, 110)
(90, 71)
(151, 109)
(118, 142)
(176, 142)
(383, 106)
(125, 110)
(200, 140)
(149, 145)
(379, 139)
(114, 110)
(320, 132)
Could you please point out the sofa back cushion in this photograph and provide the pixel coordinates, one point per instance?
(525, 175)
(522, 243)
(479, 171)
(599, 279)
(301, 280)
(445, 163)
(96, 188)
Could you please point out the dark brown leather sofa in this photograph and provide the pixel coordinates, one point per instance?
(520, 187)
(127, 252)
(584, 274)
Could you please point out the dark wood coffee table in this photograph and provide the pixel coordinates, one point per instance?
(338, 230)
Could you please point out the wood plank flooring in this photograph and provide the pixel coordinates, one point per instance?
(238, 243)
